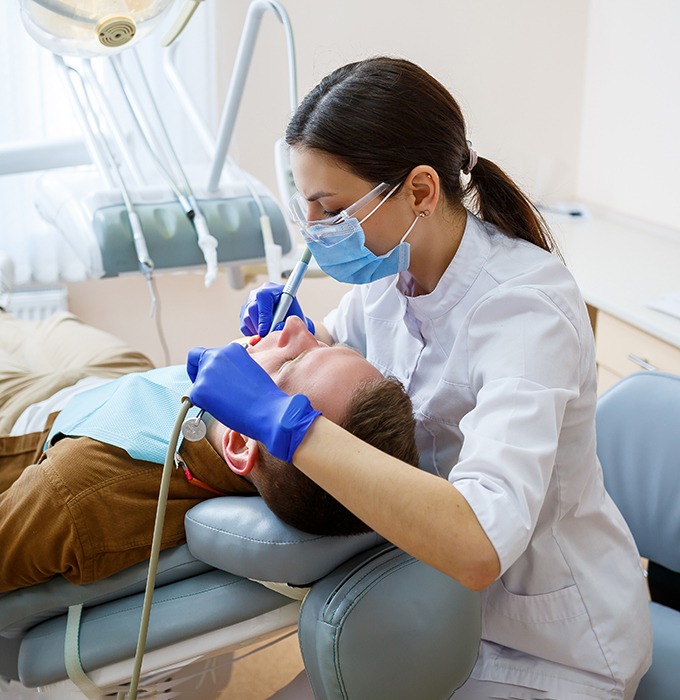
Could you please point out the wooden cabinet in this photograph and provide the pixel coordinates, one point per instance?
(622, 349)
(621, 264)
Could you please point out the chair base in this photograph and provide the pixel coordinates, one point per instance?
(204, 677)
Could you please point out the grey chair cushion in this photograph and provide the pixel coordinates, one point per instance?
(9, 659)
(662, 681)
(385, 625)
(638, 443)
(421, 620)
(242, 536)
(182, 610)
(237, 534)
(26, 607)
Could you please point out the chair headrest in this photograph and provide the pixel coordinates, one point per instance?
(242, 536)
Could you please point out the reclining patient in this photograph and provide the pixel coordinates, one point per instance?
(85, 507)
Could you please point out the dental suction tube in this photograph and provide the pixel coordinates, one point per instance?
(168, 467)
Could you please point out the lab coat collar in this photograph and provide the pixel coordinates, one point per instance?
(458, 277)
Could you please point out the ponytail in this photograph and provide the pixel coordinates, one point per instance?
(384, 116)
(495, 198)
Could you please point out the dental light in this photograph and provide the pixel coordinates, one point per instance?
(89, 28)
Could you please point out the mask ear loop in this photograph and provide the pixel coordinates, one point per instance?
(382, 201)
(422, 215)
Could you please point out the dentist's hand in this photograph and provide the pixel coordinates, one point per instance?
(258, 311)
(235, 390)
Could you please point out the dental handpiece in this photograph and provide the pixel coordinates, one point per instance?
(290, 288)
(194, 429)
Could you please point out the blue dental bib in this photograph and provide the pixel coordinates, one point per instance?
(136, 412)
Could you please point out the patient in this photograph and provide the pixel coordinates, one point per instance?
(85, 507)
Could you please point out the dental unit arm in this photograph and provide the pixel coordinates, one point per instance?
(110, 231)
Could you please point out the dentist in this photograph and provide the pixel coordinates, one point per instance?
(460, 295)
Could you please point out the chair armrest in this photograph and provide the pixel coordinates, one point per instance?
(385, 625)
(242, 536)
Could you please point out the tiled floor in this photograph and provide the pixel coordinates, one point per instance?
(258, 672)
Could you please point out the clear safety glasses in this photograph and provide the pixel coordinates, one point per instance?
(317, 229)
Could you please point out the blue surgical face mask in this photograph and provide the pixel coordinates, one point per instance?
(344, 256)
(339, 246)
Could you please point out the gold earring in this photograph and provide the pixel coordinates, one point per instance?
(424, 213)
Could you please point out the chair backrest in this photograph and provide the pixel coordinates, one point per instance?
(638, 444)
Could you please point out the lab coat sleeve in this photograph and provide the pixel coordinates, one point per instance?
(346, 323)
(524, 355)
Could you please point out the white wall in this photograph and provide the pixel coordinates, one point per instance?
(517, 69)
(630, 149)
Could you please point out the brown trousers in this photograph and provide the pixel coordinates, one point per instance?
(85, 510)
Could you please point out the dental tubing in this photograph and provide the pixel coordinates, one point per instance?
(156, 547)
(190, 426)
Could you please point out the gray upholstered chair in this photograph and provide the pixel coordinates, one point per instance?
(638, 443)
(375, 623)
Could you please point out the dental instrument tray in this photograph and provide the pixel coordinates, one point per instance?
(233, 222)
(96, 225)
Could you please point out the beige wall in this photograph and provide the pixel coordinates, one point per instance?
(191, 314)
(517, 69)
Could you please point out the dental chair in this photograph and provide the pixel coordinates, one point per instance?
(375, 623)
(638, 443)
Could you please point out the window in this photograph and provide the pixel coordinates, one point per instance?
(36, 109)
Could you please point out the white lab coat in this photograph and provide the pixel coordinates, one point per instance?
(499, 361)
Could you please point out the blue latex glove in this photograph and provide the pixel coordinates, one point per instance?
(234, 389)
(258, 310)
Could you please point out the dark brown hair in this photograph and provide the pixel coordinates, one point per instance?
(383, 116)
(381, 414)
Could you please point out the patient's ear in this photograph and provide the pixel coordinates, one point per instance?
(241, 453)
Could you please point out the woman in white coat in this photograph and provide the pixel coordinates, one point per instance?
(461, 296)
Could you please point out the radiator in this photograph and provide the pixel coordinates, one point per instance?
(39, 303)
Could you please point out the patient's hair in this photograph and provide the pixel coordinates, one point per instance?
(381, 414)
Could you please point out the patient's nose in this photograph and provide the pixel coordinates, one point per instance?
(296, 336)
